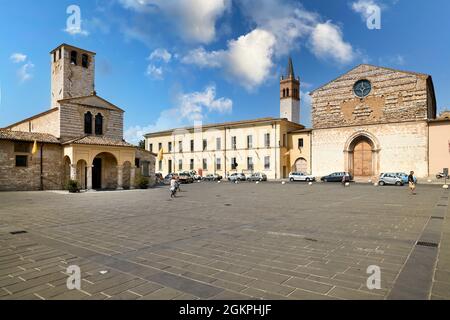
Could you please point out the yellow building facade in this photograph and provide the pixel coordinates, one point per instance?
(274, 146)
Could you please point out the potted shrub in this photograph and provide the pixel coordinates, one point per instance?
(73, 186)
(142, 182)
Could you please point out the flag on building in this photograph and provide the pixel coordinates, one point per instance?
(35, 148)
(161, 154)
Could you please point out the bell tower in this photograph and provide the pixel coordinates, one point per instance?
(73, 73)
(290, 95)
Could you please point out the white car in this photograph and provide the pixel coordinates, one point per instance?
(300, 176)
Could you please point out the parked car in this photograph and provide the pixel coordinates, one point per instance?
(186, 178)
(404, 177)
(258, 176)
(441, 175)
(169, 177)
(212, 177)
(391, 179)
(159, 178)
(337, 177)
(237, 177)
(300, 176)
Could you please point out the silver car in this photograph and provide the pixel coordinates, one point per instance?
(257, 177)
(237, 177)
(391, 179)
(300, 176)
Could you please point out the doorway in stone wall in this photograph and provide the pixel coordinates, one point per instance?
(97, 174)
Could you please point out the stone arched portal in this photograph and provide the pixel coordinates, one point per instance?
(105, 171)
(301, 165)
(362, 155)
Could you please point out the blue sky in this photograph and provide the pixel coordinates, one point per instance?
(169, 63)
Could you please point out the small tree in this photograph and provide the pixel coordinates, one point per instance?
(141, 144)
(73, 186)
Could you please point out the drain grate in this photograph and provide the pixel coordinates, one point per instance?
(18, 232)
(227, 205)
(438, 218)
(311, 239)
(426, 244)
(442, 205)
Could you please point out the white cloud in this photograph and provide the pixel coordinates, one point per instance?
(327, 42)
(365, 8)
(195, 20)
(202, 58)
(155, 72)
(280, 27)
(247, 59)
(286, 20)
(76, 31)
(18, 57)
(160, 54)
(189, 108)
(25, 72)
(192, 105)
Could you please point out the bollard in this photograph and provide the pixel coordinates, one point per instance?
(445, 186)
(310, 183)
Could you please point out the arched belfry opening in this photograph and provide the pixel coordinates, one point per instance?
(362, 155)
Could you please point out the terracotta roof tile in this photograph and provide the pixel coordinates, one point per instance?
(101, 141)
(27, 136)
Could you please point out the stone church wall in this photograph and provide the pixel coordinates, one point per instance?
(395, 96)
(403, 147)
(72, 121)
(14, 178)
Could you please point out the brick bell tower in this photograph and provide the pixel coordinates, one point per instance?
(73, 73)
(290, 95)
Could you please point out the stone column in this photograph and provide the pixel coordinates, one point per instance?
(119, 177)
(132, 177)
(73, 172)
(89, 177)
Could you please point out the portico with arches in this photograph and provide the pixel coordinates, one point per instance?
(100, 167)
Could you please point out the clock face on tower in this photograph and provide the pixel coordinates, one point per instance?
(362, 88)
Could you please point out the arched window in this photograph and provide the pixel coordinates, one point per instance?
(85, 60)
(99, 124)
(88, 123)
(284, 93)
(287, 92)
(59, 54)
(73, 57)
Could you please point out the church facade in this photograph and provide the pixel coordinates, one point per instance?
(79, 138)
(373, 120)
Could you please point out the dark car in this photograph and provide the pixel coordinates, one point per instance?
(337, 177)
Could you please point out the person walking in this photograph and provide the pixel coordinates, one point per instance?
(412, 183)
(173, 187)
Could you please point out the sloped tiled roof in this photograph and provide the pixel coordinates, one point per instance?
(100, 141)
(27, 136)
(224, 124)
